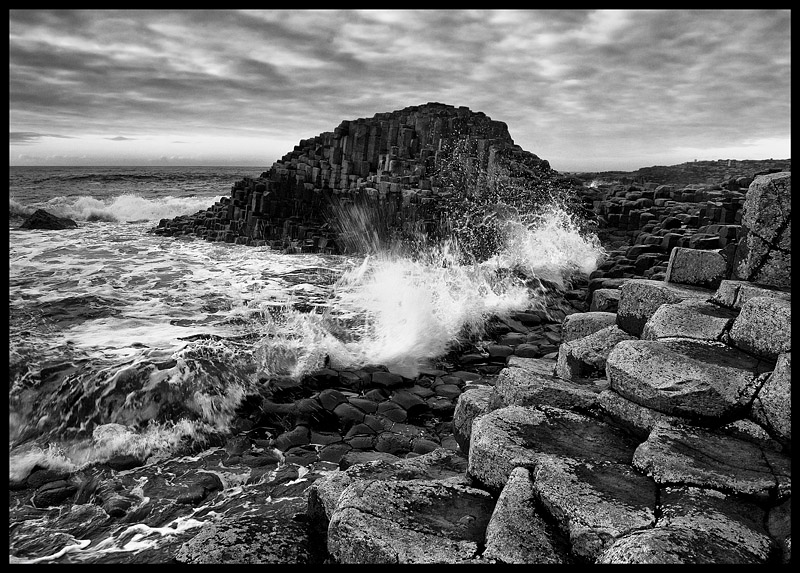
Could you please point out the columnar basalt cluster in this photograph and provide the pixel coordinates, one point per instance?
(403, 159)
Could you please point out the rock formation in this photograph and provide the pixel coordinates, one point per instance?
(419, 170)
(661, 434)
(41, 219)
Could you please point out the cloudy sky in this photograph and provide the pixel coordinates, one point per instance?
(586, 90)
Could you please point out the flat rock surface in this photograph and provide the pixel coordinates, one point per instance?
(520, 436)
(594, 502)
(414, 521)
(683, 377)
(702, 458)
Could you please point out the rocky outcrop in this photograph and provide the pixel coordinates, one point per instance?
(400, 174)
(662, 434)
(41, 219)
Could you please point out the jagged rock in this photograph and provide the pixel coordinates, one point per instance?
(250, 539)
(409, 521)
(516, 532)
(638, 419)
(605, 300)
(704, 458)
(705, 268)
(689, 319)
(519, 436)
(763, 327)
(594, 502)
(734, 294)
(583, 324)
(640, 298)
(586, 356)
(323, 495)
(41, 219)
(517, 386)
(469, 406)
(684, 377)
(53, 493)
(763, 254)
(772, 406)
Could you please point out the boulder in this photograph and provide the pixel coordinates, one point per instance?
(703, 458)
(249, 540)
(41, 219)
(763, 327)
(640, 298)
(605, 300)
(516, 532)
(705, 268)
(684, 377)
(763, 253)
(469, 406)
(587, 356)
(689, 319)
(772, 406)
(637, 419)
(516, 386)
(583, 324)
(734, 294)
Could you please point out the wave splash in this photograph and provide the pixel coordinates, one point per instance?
(121, 208)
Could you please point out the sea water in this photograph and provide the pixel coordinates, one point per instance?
(164, 336)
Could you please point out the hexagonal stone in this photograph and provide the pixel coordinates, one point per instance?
(689, 319)
(519, 436)
(706, 268)
(640, 298)
(733, 293)
(469, 406)
(583, 324)
(683, 377)
(703, 458)
(605, 300)
(517, 386)
(764, 327)
(587, 355)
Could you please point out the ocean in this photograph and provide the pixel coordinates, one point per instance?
(156, 341)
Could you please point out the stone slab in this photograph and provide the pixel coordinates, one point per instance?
(763, 327)
(689, 319)
(640, 298)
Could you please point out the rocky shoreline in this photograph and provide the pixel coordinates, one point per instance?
(643, 415)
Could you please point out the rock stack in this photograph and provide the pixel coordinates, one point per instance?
(406, 161)
(661, 433)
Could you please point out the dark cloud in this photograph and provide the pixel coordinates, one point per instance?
(23, 137)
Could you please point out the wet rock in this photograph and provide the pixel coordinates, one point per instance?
(410, 402)
(516, 532)
(122, 462)
(299, 436)
(53, 493)
(392, 410)
(703, 458)
(352, 458)
(201, 486)
(251, 540)
(41, 219)
(348, 414)
(330, 398)
(387, 379)
(39, 477)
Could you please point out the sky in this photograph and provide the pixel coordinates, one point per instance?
(587, 90)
